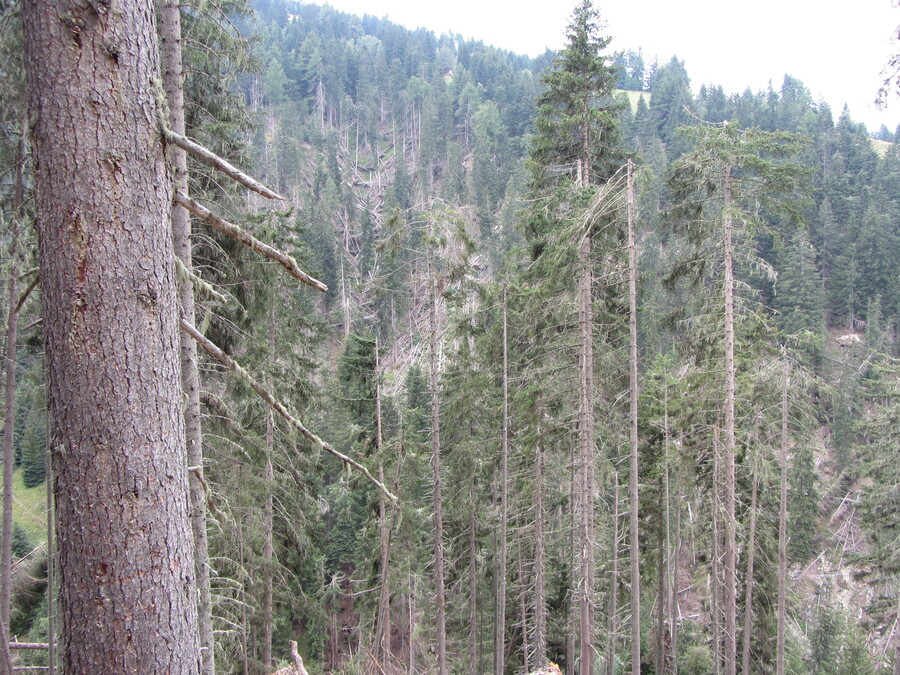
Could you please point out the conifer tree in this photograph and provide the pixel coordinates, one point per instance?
(576, 141)
(710, 187)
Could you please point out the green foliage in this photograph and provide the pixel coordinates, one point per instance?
(803, 505)
(577, 111)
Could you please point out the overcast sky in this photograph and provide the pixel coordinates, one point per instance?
(837, 49)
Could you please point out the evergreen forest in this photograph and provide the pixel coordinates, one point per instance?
(486, 363)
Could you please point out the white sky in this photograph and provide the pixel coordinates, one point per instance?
(836, 48)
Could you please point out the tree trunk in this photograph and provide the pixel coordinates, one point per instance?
(748, 596)
(586, 447)
(473, 586)
(782, 520)
(527, 656)
(9, 450)
(540, 602)
(440, 619)
(730, 553)
(715, 565)
(104, 196)
(383, 620)
(633, 473)
(500, 637)
(267, 552)
(614, 585)
(173, 83)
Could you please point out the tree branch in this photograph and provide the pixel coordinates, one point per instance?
(270, 399)
(249, 240)
(221, 164)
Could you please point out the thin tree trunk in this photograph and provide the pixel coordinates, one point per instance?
(51, 568)
(782, 519)
(440, 619)
(104, 200)
(633, 473)
(614, 585)
(9, 454)
(267, 552)
(500, 638)
(586, 446)
(383, 621)
(173, 84)
(540, 602)
(663, 593)
(748, 596)
(527, 656)
(730, 563)
(473, 586)
(715, 585)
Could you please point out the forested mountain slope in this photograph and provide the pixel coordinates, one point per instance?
(429, 182)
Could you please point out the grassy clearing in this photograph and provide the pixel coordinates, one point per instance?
(30, 509)
(634, 97)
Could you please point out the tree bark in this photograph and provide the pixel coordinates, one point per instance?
(440, 609)
(614, 585)
(267, 552)
(500, 637)
(173, 84)
(730, 553)
(586, 447)
(782, 520)
(633, 468)
(540, 602)
(748, 596)
(128, 592)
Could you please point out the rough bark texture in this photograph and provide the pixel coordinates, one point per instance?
(128, 593)
(633, 463)
(173, 84)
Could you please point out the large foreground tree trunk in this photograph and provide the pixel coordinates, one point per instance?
(128, 593)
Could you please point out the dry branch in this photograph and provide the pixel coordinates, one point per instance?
(277, 406)
(221, 164)
(249, 240)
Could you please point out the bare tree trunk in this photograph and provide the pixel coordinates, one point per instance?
(173, 84)
(748, 596)
(267, 552)
(9, 451)
(473, 587)
(662, 632)
(440, 619)
(614, 585)
(104, 200)
(715, 565)
(500, 637)
(586, 446)
(730, 563)
(540, 602)
(527, 656)
(51, 569)
(383, 620)
(782, 519)
(633, 473)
